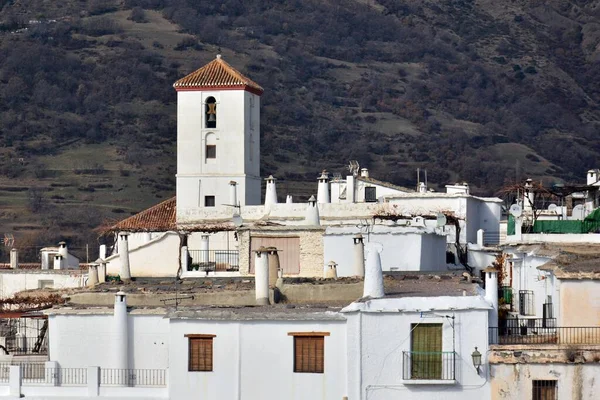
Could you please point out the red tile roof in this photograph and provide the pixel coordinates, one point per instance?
(160, 217)
(217, 74)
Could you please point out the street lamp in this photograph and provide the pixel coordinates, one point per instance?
(476, 355)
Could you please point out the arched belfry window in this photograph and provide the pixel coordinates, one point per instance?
(211, 112)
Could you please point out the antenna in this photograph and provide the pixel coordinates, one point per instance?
(354, 167)
(515, 210)
(9, 240)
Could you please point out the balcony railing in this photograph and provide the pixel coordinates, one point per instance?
(542, 331)
(213, 260)
(27, 345)
(418, 365)
(132, 377)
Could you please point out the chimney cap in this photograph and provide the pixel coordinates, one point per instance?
(358, 236)
(233, 183)
(63, 243)
(490, 269)
(324, 175)
(270, 178)
(312, 199)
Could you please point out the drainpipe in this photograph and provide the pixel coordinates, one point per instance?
(491, 294)
(323, 188)
(373, 284)
(261, 276)
(125, 271)
(359, 256)
(121, 339)
(312, 212)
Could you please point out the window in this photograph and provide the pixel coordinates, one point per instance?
(211, 112)
(209, 201)
(544, 390)
(200, 352)
(426, 351)
(309, 352)
(371, 194)
(526, 304)
(211, 151)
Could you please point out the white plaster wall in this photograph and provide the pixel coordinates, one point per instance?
(579, 303)
(555, 238)
(254, 360)
(216, 241)
(376, 341)
(83, 340)
(157, 258)
(433, 253)
(379, 191)
(479, 258)
(575, 381)
(14, 282)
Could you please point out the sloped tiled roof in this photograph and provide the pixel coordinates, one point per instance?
(384, 184)
(217, 74)
(158, 218)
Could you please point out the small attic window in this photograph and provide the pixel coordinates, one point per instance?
(211, 112)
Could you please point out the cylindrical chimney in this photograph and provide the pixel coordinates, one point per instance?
(233, 201)
(92, 275)
(58, 261)
(270, 193)
(261, 276)
(359, 256)
(102, 252)
(102, 272)
(121, 332)
(14, 258)
(288, 199)
(323, 188)
(373, 285)
(125, 271)
(491, 294)
(330, 270)
(364, 172)
(312, 212)
(204, 249)
(422, 187)
(62, 250)
(273, 265)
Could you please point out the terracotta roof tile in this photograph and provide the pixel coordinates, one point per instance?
(218, 74)
(160, 217)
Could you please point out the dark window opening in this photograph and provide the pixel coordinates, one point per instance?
(211, 151)
(211, 112)
(209, 201)
(544, 390)
(371, 194)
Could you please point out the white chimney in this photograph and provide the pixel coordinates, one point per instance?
(312, 212)
(270, 193)
(58, 261)
(14, 258)
(592, 176)
(373, 284)
(102, 252)
(480, 238)
(330, 271)
(350, 189)
(121, 332)
(491, 294)
(233, 201)
(323, 188)
(62, 250)
(204, 249)
(528, 196)
(125, 271)
(102, 271)
(261, 276)
(92, 275)
(422, 187)
(288, 199)
(364, 172)
(274, 265)
(359, 256)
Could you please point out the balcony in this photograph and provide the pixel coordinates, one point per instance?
(428, 367)
(541, 331)
(213, 260)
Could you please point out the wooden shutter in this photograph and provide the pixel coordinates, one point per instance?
(200, 352)
(289, 256)
(309, 354)
(426, 351)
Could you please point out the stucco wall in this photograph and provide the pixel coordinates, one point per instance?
(575, 381)
(86, 340)
(579, 303)
(15, 281)
(254, 360)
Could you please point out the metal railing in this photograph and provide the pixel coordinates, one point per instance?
(526, 304)
(418, 365)
(491, 238)
(38, 374)
(30, 345)
(505, 296)
(548, 334)
(213, 260)
(133, 377)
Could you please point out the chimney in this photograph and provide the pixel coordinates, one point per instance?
(58, 261)
(491, 294)
(528, 196)
(373, 284)
(102, 271)
(62, 250)
(359, 256)
(121, 332)
(273, 266)
(102, 252)
(364, 173)
(422, 187)
(270, 193)
(261, 276)
(92, 275)
(330, 270)
(323, 188)
(592, 176)
(233, 201)
(350, 189)
(312, 212)
(480, 238)
(288, 199)
(205, 250)
(14, 258)
(125, 271)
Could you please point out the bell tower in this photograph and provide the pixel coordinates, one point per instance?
(218, 139)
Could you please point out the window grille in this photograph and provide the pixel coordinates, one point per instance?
(544, 390)
(371, 194)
